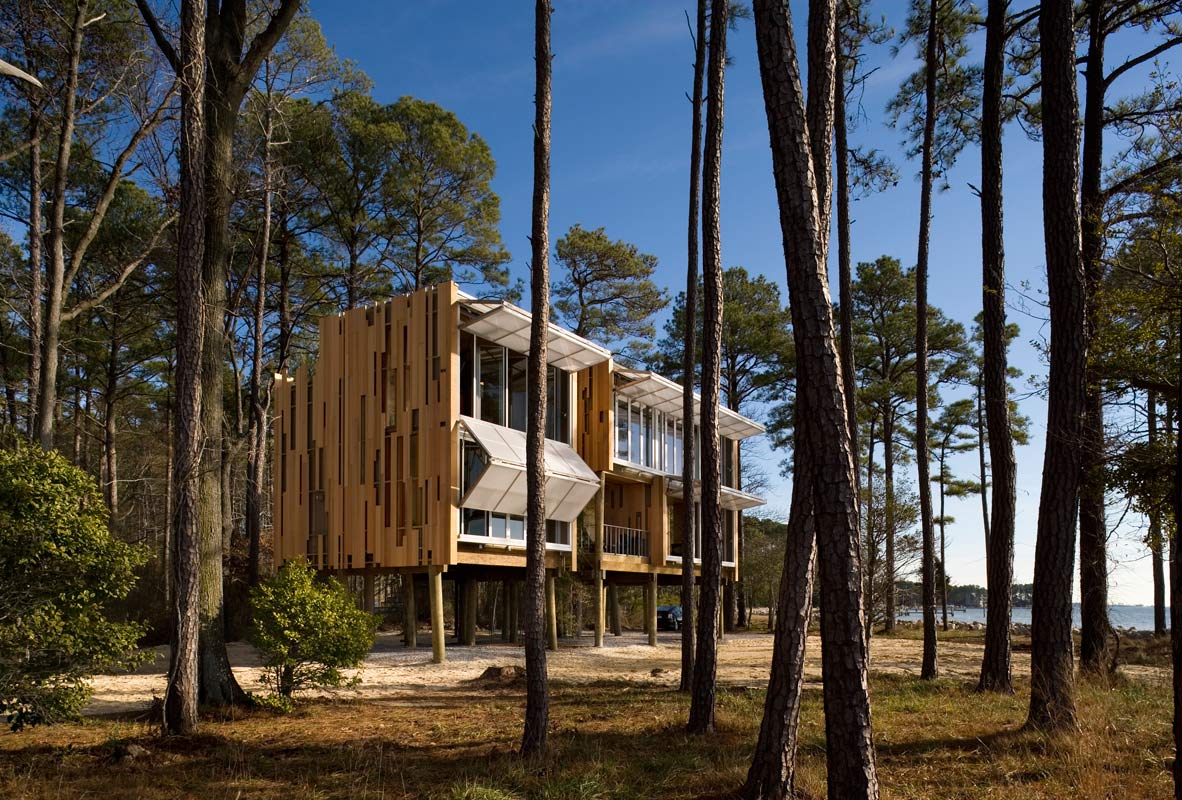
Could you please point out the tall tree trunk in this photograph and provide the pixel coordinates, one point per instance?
(218, 685)
(1155, 535)
(537, 698)
(180, 703)
(999, 532)
(845, 297)
(930, 667)
(1176, 581)
(36, 274)
(982, 468)
(773, 768)
(702, 695)
(871, 550)
(110, 453)
(888, 467)
(943, 554)
(55, 288)
(688, 361)
(259, 397)
(1093, 530)
(1052, 679)
(824, 431)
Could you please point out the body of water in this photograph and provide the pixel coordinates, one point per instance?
(1135, 617)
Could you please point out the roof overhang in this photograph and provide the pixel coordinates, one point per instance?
(661, 394)
(508, 325)
(501, 486)
(728, 498)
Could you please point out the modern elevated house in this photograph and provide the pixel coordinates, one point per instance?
(402, 450)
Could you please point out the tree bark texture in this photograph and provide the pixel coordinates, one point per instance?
(773, 767)
(820, 385)
(703, 690)
(929, 669)
(1095, 629)
(845, 298)
(537, 700)
(996, 669)
(1052, 679)
(688, 627)
(1155, 536)
(180, 703)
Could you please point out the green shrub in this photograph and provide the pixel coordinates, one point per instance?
(60, 570)
(307, 630)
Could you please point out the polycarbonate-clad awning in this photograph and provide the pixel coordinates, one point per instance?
(500, 487)
(507, 325)
(728, 498)
(661, 394)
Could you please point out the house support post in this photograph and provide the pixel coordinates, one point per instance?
(650, 608)
(410, 626)
(597, 585)
(551, 614)
(506, 609)
(368, 592)
(471, 593)
(613, 608)
(435, 591)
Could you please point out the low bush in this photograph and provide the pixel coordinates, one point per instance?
(307, 630)
(60, 572)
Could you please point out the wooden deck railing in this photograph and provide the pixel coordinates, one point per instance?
(622, 541)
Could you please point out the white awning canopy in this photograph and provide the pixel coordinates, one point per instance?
(501, 488)
(728, 498)
(507, 325)
(661, 394)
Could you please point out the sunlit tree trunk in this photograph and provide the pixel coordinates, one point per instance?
(180, 704)
(537, 700)
(999, 532)
(800, 143)
(688, 362)
(702, 694)
(1052, 679)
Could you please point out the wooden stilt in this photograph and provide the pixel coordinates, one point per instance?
(368, 592)
(471, 593)
(410, 625)
(506, 609)
(600, 611)
(435, 592)
(551, 614)
(515, 617)
(651, 609)
(613, 608)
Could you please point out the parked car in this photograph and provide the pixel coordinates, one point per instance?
(668, 618)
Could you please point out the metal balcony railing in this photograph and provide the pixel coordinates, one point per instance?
(623, 541)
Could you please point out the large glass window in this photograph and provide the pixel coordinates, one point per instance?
(492, 383)
(728, 461)
(557, 532)
(518, 395)
(473, 464)
(508, 529)
(558, 405)
(622, 430)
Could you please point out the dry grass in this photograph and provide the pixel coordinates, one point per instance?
(608, 740)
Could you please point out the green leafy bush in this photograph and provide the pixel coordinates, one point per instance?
(60, 570)
(308, 630)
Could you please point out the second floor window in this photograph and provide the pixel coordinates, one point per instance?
(494, 388)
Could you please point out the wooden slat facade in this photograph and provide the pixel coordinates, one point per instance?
(366, 449)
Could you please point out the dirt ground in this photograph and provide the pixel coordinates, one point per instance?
(393, 670)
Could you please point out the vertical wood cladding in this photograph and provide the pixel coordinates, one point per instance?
(363, 438)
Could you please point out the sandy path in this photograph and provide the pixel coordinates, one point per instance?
(390, 669)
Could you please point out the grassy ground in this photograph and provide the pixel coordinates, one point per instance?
(608, 741)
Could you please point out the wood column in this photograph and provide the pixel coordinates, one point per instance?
(515, 616)
(410, 625)
(551, 614)
(435, 592)
(650, 592)
(367, 592)
(597, 587)
(506, 609)
(471, 593)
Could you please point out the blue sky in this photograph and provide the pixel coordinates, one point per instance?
(622, 69)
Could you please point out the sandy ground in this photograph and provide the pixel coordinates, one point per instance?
(391, 669)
